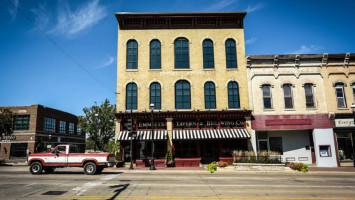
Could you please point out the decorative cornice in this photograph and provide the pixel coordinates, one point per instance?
(192, 20)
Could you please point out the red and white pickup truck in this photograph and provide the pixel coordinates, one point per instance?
(63, 156)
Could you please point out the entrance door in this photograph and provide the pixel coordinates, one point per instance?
(209, 151)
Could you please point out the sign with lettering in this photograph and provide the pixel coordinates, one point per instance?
(148, 125)
(232, 123)
(185, 124)
(344, 123)
(208, 124)
(7, 138)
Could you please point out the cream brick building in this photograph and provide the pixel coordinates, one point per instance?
(192, 67)
(290, 115)
(338, 71)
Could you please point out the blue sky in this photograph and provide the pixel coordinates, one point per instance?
(62, 54)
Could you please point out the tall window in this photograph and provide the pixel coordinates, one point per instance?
(131, 96)
(208, 59)
(182, 95)
(62, 127)
(71, 128)
(49, 124)
(155, 55)
(354, 93)
(22, 122)
(267, 99)
(155, 95)
(339, 92)
(210, 95)
(182, 53)
(231, 54)
(132, 54)
(308, 89)
(288, 95)
(233, 95)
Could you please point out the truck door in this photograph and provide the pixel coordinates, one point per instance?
(59, 156)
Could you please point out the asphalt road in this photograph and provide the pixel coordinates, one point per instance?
(72, 183)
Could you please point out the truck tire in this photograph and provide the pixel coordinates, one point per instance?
(99, 169)
(90, 168)
(49, 170)
(36, 168)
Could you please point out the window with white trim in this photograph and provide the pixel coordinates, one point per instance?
(267, 99)
(288, 98)
(308, 89)
(340, 95)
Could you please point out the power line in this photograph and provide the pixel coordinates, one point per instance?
(59, 47)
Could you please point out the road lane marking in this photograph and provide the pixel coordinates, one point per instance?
(91, 184)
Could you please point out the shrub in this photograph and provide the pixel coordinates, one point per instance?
(168, 156)
(212, 167)
(298, 166)
(2, 162)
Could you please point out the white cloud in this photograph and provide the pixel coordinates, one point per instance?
(108, 62)
(41, 16)
(13, 10)
(72, 23)
(250, 41)
(220, 5)
(254, 7)
(304, 49)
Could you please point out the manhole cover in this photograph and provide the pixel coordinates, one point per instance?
(54, 193)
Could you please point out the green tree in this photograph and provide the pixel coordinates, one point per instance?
(99, 124)
(6, 122)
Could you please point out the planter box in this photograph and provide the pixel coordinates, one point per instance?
(258, 167)
(187, 162)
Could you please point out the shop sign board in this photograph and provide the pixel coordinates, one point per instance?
(344, 122)
(7, 138)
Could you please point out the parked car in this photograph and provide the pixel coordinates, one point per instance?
(65, 156)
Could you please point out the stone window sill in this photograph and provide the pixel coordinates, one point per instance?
(131, 70)
(182, 69)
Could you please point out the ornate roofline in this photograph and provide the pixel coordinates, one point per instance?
(179, 20)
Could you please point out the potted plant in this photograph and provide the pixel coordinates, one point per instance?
(169, 159)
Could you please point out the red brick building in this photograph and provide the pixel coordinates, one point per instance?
(37, 128)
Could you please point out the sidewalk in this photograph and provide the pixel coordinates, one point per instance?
(331, 169)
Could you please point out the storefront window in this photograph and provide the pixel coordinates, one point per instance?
(185, 149)
(345, 147)
(18, 150)
(324, 151)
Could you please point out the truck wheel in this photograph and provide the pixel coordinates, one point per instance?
(90, 168)
(49, 170)
(99, 169)
(36, 168)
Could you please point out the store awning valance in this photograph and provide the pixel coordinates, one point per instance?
(144, 135)
(210, 134)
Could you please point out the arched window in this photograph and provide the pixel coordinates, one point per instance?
(267, 98)
(181, 53)
(208, 58)
(132, 54)
(340, 95)
(155, 95)
(155, 54)
(210, 95)
(231, 54)
(233, 95)
(131, 96)
(182, 95)
(288, 98)
(308, 90)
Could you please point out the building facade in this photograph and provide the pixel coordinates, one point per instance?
(290, 116)
(339, 81)
(37, 129)
(191, 66)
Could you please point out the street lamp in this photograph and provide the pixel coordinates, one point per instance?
(152, 167)
(351, 134)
